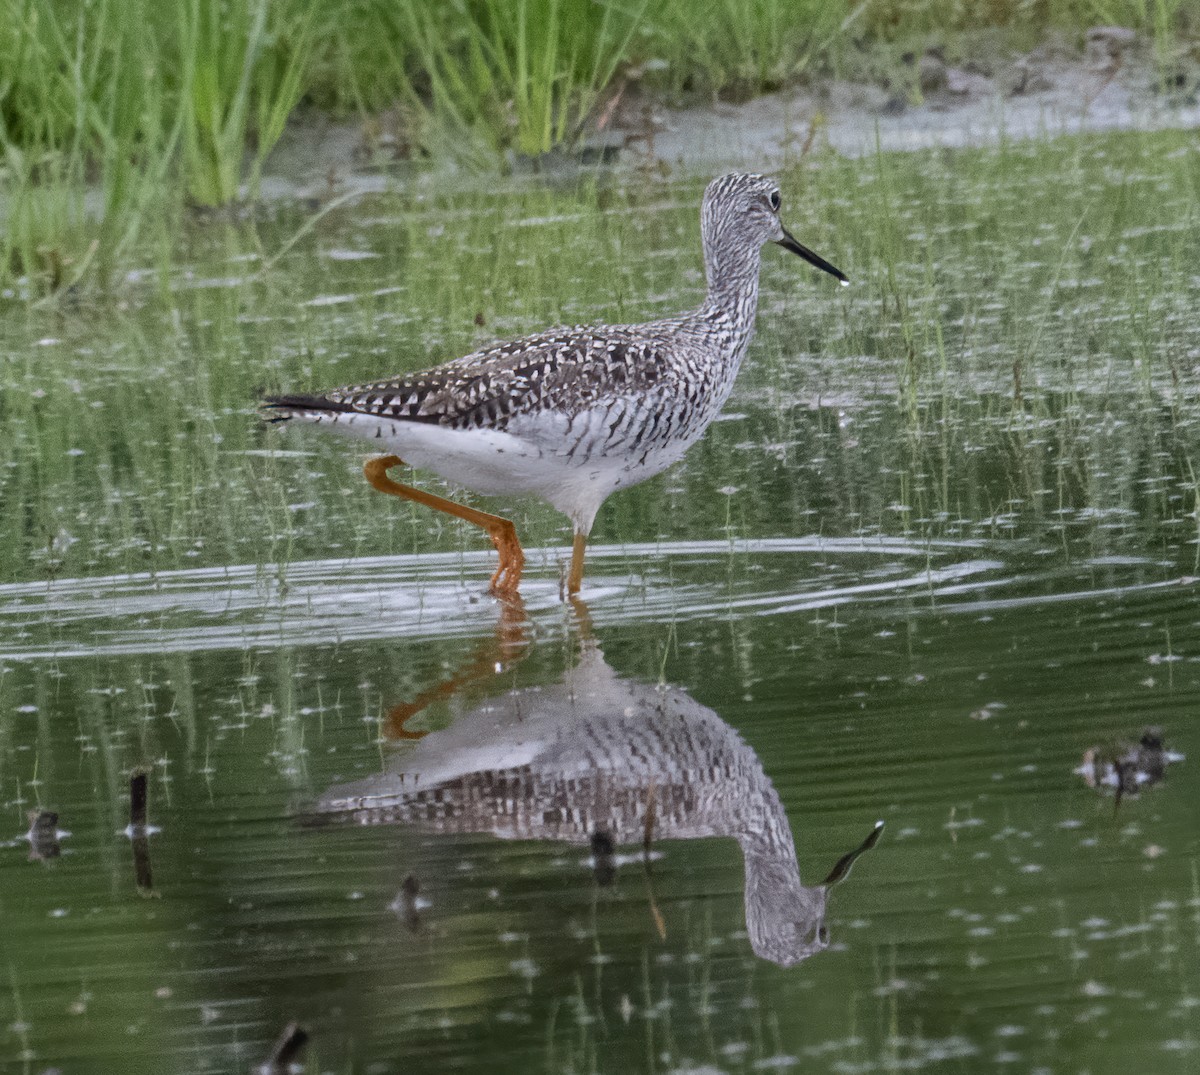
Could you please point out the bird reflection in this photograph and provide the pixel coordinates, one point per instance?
(600, 761)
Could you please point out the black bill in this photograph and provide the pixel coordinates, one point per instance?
(789, 243)
(842, 867)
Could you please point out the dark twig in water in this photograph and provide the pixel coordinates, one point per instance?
(139, 833)
(648, 832)
(1128, 767)
(137, 800)
(43, 835)
(287, 1049)
(603, 863)
(405, 904)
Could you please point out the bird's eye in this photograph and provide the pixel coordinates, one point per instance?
(774, 199)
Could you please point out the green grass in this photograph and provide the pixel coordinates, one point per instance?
(113, 114)
(116, 115)
(82, 157)
(523, 75)
(743, 48)
(241, 70)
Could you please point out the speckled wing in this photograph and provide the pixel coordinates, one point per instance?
(564, 370)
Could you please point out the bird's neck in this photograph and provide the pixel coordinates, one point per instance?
(732, 288)
(771, 858)
(763, 831)
(776, 901)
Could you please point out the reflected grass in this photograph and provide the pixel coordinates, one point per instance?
(129, 442)
(1007, 896)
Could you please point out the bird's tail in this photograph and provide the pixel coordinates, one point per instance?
(284, 408)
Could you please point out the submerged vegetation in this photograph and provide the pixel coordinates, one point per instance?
(1016, 356)
(115, 115)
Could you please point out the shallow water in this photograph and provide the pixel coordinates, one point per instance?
(942, 543)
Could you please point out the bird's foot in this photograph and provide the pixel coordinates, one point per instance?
(507, 579)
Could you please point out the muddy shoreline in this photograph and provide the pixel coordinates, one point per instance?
(1117, 82)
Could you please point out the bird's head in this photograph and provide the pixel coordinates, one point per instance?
(742, 210)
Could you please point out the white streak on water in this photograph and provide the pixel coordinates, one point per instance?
(441, 595)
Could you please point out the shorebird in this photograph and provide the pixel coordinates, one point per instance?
(572, 414)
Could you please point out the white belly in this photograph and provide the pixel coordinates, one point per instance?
(570, 471)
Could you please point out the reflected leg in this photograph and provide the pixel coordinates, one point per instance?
(575, 578)
(507, 578)
(509, 645)
(647, 842)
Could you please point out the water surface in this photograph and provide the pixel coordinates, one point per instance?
(942, 543)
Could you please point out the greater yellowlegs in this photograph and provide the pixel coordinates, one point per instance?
(573, 414)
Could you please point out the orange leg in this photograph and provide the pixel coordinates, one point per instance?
(575, 578)
(507, 578)
(510, 645)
